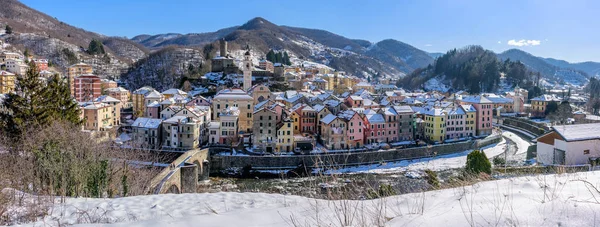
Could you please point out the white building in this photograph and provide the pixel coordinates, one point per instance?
(16, 66)
(569, 145)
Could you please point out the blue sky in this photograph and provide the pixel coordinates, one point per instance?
(568, 30)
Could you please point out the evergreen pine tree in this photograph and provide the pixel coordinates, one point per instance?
(286, 59)
(271, 56)
(95, 47)
(277, 58)
(26, 105)
(8, 29)
(61, 105)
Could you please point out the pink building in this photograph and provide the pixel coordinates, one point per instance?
(307, 118)
(484, 107)
(375, 127)
(199, 101)
(355, 132)
(354, 101)
(391, 119)
(455, 123)
(152, 110)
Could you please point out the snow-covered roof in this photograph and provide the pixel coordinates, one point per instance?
(476, 99)
(153, 104)
(455, 111)
(143, 90)
(106, 98)
(578, 132)
(328, 119)
(94, 105)
(403, 109)
(6, 73)
(434, 112)
(178, 119)
(375, 118)
(368, 102)
(346, 114)
(363, 84)
(389, 111)
(235, 93)
(116, 89)
(153, 94)
(143, 122)
(546, 98)
(468, 108)
(318, 107)
(174, 91)
(356, 98)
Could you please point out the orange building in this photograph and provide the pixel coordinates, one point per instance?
(41, 64)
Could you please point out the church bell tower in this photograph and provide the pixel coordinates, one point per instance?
(247, 69)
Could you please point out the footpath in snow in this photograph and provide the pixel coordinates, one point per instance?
(545, 200)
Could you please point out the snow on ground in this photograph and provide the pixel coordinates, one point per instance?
(444, 162)
(522, 145)
(436, 84)
(543, 200)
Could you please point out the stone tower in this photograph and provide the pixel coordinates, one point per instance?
(223, 47)
(247, 69)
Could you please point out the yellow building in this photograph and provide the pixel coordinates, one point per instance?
(285, 136)
(435, 125)
(97, 116)
(7, 82)
(296, 120)
(471, 117)
(539, 104)
(235, 98)
(138, 98)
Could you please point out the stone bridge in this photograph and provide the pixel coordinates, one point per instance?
(183, 174)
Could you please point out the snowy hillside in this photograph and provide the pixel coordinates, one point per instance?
(545, 200)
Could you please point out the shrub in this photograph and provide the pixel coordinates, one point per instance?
(432, 178)
(477, 162)
(383, 191)
(499, 161)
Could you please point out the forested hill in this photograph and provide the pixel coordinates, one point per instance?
(472, 69)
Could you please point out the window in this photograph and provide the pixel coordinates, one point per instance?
(586, 151)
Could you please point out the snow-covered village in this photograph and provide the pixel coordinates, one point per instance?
(239, 121)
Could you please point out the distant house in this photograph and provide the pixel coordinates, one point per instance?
(539, 104)
(569, 145)
(146, 132)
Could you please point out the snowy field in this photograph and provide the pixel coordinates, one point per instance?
(545, 200)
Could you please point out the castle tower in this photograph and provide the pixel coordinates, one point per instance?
(223, 47)
(247, 69)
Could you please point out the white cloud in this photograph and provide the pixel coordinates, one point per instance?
(524, 42)
(428, 45)
(499, 42)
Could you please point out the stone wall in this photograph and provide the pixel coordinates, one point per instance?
(534, 128)
(219, 163)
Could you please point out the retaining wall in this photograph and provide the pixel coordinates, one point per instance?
(219, 163)
(534, 128)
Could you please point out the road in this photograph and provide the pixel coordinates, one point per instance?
(516, 152)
